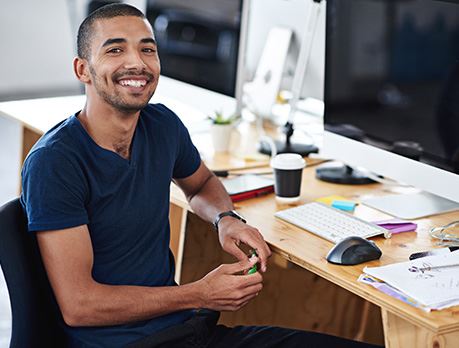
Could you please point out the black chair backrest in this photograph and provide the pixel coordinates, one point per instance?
(36, 316)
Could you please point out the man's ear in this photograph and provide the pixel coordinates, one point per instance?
(81, 69)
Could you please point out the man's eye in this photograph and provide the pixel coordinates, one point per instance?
(149, 50)
(114, 50)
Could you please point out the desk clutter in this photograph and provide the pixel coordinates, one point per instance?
(329, 218)
(428, 283)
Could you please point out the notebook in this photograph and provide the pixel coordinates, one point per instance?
(432, 281)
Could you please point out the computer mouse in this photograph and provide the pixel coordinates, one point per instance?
(353, 250)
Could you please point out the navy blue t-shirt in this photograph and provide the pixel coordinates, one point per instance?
(68, 180)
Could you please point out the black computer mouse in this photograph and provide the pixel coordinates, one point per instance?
(353, 250)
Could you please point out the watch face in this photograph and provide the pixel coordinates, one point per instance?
(236, 214)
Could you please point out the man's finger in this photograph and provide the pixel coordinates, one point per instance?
(263, 251)
(234, 250)
(240, 266)
(253, 284)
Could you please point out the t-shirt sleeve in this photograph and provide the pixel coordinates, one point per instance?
(53, 191)
(188, 159)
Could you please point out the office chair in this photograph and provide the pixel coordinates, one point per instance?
(35, 313)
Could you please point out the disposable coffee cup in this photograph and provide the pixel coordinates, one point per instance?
(288, 169)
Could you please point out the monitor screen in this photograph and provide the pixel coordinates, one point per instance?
(198, 41)
(392, 76)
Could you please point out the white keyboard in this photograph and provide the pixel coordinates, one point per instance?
(329, 223)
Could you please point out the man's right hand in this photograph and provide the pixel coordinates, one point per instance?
(224, 290)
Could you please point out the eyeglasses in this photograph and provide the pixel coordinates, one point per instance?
(447, 234)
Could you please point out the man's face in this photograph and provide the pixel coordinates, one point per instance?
(123, 63)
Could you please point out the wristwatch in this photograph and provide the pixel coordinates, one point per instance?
(231, 213)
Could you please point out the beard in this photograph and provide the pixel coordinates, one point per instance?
(115, 99)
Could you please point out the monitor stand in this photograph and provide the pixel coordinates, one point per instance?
(412, 206)
(288, 146)
(339, 173)
(283, 147)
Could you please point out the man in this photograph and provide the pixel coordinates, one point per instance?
(96, 193)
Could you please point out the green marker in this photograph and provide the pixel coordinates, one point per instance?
(254, 267)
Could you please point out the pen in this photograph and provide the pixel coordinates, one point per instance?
(422, 269)
(439, 251)
(226, 173)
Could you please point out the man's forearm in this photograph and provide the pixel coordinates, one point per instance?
(211, 199)
(101, 305)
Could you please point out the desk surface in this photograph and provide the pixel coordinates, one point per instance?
(308, 250)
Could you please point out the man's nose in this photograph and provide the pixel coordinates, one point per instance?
(134, 60)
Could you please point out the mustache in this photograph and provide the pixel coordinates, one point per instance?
(120, 74)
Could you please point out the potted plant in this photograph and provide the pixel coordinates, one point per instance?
(221, 129)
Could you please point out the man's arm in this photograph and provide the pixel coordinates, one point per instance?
(208, 198)
(68, 259)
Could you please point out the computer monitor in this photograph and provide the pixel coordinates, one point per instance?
(291, 14)
(276, 32)
(392, 97)
(198, 41)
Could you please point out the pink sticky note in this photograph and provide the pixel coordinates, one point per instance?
(397, 225)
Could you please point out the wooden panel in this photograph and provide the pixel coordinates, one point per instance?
(177, 220)
(401, 333)
(291, 297)
(29, 138)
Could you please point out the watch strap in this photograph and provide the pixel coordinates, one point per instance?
(231, 213)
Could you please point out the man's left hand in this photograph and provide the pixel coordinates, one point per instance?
(233, 232)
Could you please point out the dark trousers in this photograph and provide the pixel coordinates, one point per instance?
(202, 331)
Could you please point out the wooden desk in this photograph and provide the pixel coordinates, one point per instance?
(404, 325)
(306, 292)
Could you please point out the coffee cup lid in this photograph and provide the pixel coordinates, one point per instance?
(288, 161)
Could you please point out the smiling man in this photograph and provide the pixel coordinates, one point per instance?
(96, 193)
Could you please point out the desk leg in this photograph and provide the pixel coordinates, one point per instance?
(400, 333)
(177, 220)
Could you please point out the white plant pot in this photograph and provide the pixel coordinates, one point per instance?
(221, 136)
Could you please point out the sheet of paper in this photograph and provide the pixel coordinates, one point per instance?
(420, 279)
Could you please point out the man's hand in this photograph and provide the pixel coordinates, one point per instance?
(208, 198)
(232, 232)
(224, 290)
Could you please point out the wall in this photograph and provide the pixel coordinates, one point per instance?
(38, 40)
(37, 49)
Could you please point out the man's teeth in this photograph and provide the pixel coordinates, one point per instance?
(133, 83)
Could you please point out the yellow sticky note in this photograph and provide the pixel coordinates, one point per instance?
(329, 199)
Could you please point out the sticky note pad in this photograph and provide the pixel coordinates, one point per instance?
(328, 200)
(397, 225)
(344, 205)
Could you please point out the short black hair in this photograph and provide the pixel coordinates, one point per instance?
(85, 30)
